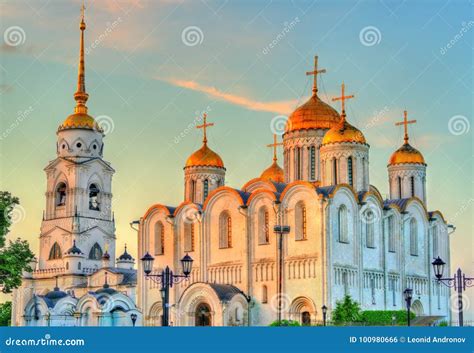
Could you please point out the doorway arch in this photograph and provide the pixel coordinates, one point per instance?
(202, 315)
(417, 308)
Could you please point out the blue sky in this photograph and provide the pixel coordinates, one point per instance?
(149, 84)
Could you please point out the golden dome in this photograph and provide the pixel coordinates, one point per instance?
(80, 121)
(343, 132)
(273, 173)
(314, 114)
(204, 157)
(406, 154)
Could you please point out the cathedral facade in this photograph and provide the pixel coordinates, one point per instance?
(344, 238)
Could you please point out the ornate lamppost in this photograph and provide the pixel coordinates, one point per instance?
(133, 317)
(324, 309)
(459, 282)
(408, 293)
(166, 278)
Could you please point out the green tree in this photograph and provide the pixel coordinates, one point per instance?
(285, 323)
(5, 313)
(16, 256)
(346, 311)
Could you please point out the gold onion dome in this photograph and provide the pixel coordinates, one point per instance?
(80, 119)
(205, 157)
(406, 154)
(343, 132)
(273, 173)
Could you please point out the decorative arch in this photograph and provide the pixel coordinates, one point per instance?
(96, 252)
(55, 252)
(155, 314)
(303, 309)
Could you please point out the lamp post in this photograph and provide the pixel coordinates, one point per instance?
(459, 282)
(280, 230)
(134, 318)
(408, 293)
(166, 278)
(324, 309)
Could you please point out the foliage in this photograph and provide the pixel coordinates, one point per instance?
(346, 311)
(14, 258)
(285, 323)
(5, 313)
(385, 317)
(443, 323)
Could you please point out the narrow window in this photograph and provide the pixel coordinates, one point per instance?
(435, 241)
(225, 230)
(349, 171)
(263, 226)
(345, 283)
(342, 224)
(61, 194)
(206, 189)
(369, 229)
(413, 238)
(94, 197)
(313, 162)
(55, 252)
(412, 186)
(399, 187)
(372, 290)
(264, 294)
(189, 236)
(96, 252)
(334, 171)
(79, 265)
(391, 235)
(300, 221)
(193, 190)
(159, 238)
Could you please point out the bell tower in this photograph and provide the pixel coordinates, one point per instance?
(78, 209)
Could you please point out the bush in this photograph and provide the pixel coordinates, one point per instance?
(443, 323)
(285, 323)
(384, 317)
(5, 313)
(346, 311)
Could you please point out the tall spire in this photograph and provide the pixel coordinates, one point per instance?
(81, 96)
(405, 123)
(204, 127)
(315, 73)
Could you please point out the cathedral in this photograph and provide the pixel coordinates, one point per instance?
(341, 236)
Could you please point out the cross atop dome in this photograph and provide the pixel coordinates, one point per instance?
(315, 74)
(343, 98)
(204, 126)
(405, 124)
(275, 145)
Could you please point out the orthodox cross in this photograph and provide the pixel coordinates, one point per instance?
(343, 98)
(204, 127)
(405, 122)
(275, 144)
(315, 73)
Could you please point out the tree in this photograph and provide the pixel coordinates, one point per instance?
(5, 313)
(346, 311)
(16, 257)
(285, 323)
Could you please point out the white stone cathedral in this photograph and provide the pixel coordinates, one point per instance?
(344, 239)
(76, 281)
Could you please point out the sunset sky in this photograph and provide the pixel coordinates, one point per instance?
(154, 66)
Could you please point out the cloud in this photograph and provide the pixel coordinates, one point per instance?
(277, 107)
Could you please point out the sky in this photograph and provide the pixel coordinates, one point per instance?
(152, 68)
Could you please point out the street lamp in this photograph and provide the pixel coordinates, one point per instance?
(408, 293)
(459, 282)
(134, 318)
(324, 308)
(166, 278)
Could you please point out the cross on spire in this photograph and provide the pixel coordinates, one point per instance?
(343, 98)
(315, 73)
(204, 127)
(275, 144)
(405, 123)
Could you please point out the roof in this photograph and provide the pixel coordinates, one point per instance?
(326, 191)
(225, 292)
(129, 274)
(280, 186)
(400, 203)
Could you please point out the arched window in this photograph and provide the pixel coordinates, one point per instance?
(264, 294)
(300, 221)
(263, 226)
(435, 241)
(342, 224)
(159, 238)
(297, 163)
(413, 238)
(79, 265)
(225, 230)
(55, 252)
(96, 252)
(399, 187)
(206, 189)
(349, 171)
(189, 236)
(193, 190)
(334, 171)
(312, 152)
(61, 194)
(369, 229)
(412, 186)
(67, 265)
(391, 234)
(94, 197)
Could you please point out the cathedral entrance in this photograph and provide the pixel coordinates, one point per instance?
(306, 318)
(203, 315)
